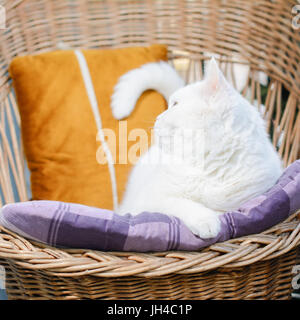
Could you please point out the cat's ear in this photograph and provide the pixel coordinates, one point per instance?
(214, 78)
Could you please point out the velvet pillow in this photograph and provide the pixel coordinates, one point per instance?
(77, 226)
(58, 126)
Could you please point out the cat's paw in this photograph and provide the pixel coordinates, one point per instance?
(206, 228)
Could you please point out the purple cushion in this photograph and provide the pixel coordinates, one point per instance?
(78, 226)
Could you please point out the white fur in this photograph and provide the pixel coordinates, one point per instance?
(157, 76)
(234, 159)
(240, 71)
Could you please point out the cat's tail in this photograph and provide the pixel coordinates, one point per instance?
(159, 76)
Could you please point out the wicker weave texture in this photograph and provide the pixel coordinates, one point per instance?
(261, 280)
(256, 266)
(257, 34)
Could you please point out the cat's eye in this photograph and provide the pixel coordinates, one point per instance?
(174, 104)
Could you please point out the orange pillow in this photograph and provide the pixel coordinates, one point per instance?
(58, 126)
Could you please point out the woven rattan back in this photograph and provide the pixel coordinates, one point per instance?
(257, 34)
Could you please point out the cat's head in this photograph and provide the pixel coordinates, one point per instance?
(198, 108)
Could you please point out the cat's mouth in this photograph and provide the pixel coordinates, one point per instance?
(165, 132)
(164, 137)
(163, 128)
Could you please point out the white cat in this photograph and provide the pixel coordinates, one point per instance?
(211, 154)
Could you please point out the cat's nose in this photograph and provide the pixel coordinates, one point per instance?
(161, 115)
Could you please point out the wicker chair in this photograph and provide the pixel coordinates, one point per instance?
(258, 34)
